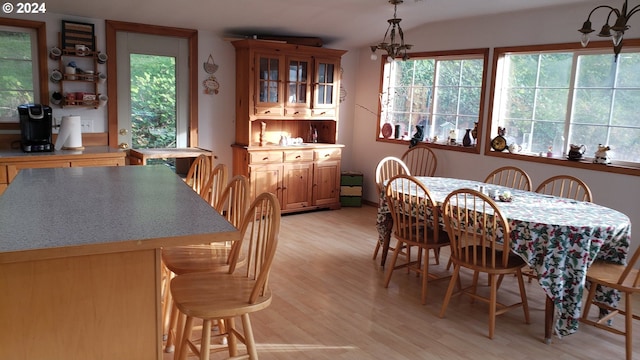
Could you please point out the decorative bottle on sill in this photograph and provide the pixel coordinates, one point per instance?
(466, 140)
(315, 134)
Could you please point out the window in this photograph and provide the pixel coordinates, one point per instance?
(17, 85)
(550, 99)
(440, 91)
(22, 78)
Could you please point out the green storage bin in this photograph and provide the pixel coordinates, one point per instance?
(351, 188)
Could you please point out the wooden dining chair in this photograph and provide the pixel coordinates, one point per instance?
(510, 176)
(199, 173)
(387, 168)
(211, 296)
(625, 279)
(405, 195)
(217, 181)
(420, 160)
(481, 242)
(566, 186)
(216, 256)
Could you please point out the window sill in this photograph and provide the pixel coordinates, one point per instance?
(468, 149)
(586, 163)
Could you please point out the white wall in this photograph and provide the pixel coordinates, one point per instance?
(557, 25)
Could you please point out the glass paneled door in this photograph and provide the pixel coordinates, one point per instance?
(153, 107)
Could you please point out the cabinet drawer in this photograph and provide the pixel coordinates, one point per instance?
(298, 155)
(265, 157)
(323, 113)
(297, 112)
(268, 111)
(326, 154)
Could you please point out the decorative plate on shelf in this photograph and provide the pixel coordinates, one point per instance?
(387, 130)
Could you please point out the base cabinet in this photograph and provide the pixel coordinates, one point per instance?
(301, 179)
(12, 162)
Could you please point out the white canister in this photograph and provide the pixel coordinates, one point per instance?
(70, 71)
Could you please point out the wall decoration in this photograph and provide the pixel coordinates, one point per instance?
(343, 91)
(77, 34)
(211, 85)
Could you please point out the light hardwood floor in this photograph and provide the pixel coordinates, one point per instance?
(330, 303)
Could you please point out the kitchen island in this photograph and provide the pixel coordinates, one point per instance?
(80, 264)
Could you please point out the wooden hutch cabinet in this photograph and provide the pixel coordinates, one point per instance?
(292, 91)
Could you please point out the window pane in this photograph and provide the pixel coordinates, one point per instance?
(448, 73)
(592, 106)
(551, 104)
(469, 100)
(625, 108)
(16, 73)
(424, 72)
(518, 103)
(595, 71)
(522, 70)
(471, 73)
(629, 65)
(446, 100)
(555, 70)
(626, 144)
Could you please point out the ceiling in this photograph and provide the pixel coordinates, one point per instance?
(339, 23)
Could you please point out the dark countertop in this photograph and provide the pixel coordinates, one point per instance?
(51, 213)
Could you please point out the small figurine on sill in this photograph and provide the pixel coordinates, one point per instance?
(601, 156)
(417, 137)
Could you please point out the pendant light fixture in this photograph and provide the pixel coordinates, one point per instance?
(615, 31)
(395, 47)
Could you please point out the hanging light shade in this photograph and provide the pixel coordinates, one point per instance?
(615, 31)
(393, 41)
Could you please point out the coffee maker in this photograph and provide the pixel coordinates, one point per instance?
(36, 127)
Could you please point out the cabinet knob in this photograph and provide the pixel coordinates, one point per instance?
(123, 132)
(298, 157)
(123, 145)
(265, 158)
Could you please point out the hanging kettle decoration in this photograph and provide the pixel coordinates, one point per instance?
(211, 85)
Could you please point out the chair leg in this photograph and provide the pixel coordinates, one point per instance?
(173, 323)
(493, 299)
(183, 348)
(230, 324)
(205, 340)
(425, 275)
(390, 269)
(248, 337)
(376, 250)
(628, 325)
(452, 284)
(523, 297)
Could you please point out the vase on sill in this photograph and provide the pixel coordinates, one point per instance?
(466, 140)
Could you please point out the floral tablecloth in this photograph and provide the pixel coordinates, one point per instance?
(559, 238)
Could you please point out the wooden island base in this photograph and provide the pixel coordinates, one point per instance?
(83, 307)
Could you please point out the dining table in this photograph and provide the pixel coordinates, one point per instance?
(80, 259)
(558, 238)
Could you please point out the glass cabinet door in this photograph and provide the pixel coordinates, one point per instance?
(268, 80)
(298, 82)
(325, 86)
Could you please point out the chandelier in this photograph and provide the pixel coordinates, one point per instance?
(616, 31)
(393, 48)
